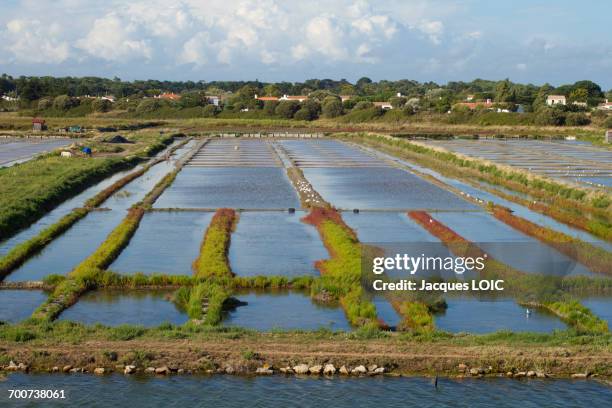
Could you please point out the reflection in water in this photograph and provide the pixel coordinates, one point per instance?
(114, 308)
(285, 311)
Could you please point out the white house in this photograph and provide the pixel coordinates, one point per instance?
(552, 100)
(214, 100)
(383, 105)
(607, 105)
(299, 98)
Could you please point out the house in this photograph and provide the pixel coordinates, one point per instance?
(110, 98)
(266, 98)
(469, 98)
(9, 98)
(214, 100)
(169, 96)
(38, 125)
(383, 105)
(552, 100)
(607, 105)
(298, 98)
(581, 104)
(488, 104)
(608, 138)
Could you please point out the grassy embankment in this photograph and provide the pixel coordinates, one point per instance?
(341, 274)
(582, 208)
(23, 251)
(536, 290)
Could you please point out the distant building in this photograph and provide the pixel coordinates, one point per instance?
(214, 100)
(469, 98)
(299, 98)
(344, 98)
(552, 100)
(266, 98)
(110, 98)
(38, 125)
(169, 96)
(9, 98)
(488, 104)
(608, 138)
(383, 105)
(581, 104)
(607, 105)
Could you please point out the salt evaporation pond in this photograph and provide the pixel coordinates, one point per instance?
(231, 187)
(510, 246)
(166, 242)
(380, 188)
(284, 311)
(386, 312)
(61, 210)
(17, 305)
(68, 250)
(226, 391)
(114, 308)
(487, 315)
(275, 243)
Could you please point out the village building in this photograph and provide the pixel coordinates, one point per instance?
(110, 98)
(383, 105)
(214, 100)
(298, 98)
(488, 104)
(552, 100)
(266, 98)
(169, 96)
(608, 137)
(607, 105)
(38, 124)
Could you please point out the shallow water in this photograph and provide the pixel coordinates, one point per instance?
(69, 249)
(601, 306)
(114, 308)
(386, 312)
(16, 305)
(275, 243)
(232, 187)
(165, 242)
(13, 150)
(285, 311)
(380, 188)
(510, 246)
(230, 391)
(487, 315)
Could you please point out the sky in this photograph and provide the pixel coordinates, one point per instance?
(529, 41)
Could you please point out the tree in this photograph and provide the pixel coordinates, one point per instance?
(270, 107)
(363, 105)
(210, 111)
(503, 92)
(65, 102)
(577, 119)
(331, 107)
(549, 117)
(272, 90)
(101, 105)
(45, 103)
(286, 109)
(578, 95)
(542, 94)
(398, 101)
(362, 82)
(192, 99)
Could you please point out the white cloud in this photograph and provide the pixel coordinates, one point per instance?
(433, 30)
(31, 41)
(114, 38)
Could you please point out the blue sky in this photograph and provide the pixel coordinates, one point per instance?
(556, 41)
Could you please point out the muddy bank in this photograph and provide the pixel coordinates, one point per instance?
(286, 354)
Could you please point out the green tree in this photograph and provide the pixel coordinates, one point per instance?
(101, 105)
(192, 99)
(270, 107)
(331, 107)
(272, 90)
(286, 109)
(65, 102)
(503, 92)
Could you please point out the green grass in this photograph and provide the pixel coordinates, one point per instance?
(212, 260)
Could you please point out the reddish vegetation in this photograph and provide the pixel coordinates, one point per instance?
(436, 228)
(319, 215)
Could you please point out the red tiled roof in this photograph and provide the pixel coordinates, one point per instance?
(267, 98)
(38, 120)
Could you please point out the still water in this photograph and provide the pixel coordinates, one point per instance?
(487, 315)
(16, 305)
(165, 243)
(229, 391)
(114, 308)
(285, 311)
(232, 187)
(275, 243)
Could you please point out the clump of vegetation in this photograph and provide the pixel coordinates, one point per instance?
(212, 260)
(204, 301)
(341, 274)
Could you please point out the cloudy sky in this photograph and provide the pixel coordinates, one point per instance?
(556, 41)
